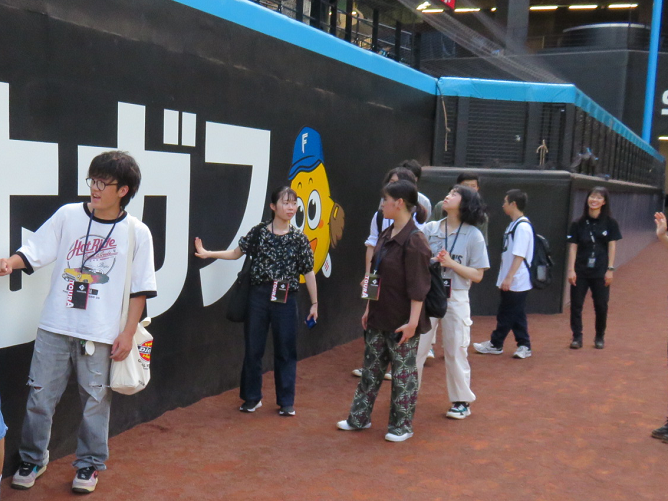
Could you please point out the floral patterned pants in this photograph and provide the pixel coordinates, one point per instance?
(381, 349)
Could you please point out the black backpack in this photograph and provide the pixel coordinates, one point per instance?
(436, 302)
(540, 270)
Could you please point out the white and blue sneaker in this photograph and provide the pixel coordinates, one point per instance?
(487, 348)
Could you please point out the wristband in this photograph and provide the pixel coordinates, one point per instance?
(611, 268)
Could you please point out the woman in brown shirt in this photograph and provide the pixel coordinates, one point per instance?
(393, 323)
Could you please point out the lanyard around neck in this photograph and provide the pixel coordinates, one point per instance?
(446, 237)
(85, 259)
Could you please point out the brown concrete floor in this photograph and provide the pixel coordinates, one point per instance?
(561, 425)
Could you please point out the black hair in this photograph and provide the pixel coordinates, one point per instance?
(119, 166)
(472, 209)
(468, 176)
(519, 197)
(606, 211)
(413, 166)
(401, 173)
(407, 191)
(279, 193)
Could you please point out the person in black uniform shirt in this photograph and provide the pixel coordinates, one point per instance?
(591, 262)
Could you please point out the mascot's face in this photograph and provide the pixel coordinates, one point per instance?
(314, 209)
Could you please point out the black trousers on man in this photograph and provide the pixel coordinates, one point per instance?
(600, 294)
(512, 316)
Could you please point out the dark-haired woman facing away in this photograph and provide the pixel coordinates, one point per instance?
(393, 323)
(283, 253)
(591, 262)
(460, 247)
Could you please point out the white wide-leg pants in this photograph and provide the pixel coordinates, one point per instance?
(456, 328)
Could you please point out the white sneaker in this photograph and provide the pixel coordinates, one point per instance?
(25, 476)
(388, 376)
(522, 352)
(343, 425)
(459, 410)
(487, 348)
(391, 437)
(85, 480)
(431, 354)
(357, 372)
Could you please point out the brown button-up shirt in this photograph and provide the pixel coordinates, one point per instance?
(404, 276)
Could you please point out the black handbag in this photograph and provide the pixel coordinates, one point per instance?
(240, 290)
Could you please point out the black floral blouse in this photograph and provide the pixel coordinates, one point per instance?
(279, 257)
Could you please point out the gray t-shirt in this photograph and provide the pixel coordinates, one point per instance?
(469, 248)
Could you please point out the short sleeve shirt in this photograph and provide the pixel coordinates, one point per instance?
(62, 240)
(592, 236)
(517, 241)
(404, 277)
(279, 257)
(466, 245)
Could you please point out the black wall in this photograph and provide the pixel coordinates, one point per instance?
(555, 199)
(70, 62)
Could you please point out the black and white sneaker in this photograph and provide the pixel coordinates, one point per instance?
(26, 475)
(459, 410)
(85, 480)
(286, 410)
(250, 405)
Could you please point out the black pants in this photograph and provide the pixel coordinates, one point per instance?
(512, 316)
(600, 294)
(282, 317)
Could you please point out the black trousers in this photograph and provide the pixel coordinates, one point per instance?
(512, 316)
(600, 294)
(282, 317)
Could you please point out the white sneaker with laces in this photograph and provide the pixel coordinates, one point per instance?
(343, 425)
(486, 347)
(522, 352)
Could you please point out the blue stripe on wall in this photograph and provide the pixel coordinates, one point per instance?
(258, 18)
(543, 93)
(262, 20)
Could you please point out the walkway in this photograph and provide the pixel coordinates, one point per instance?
(562, 425)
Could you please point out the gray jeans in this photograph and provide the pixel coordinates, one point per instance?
(54, 358)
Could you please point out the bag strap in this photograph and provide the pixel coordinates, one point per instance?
(128, 271)
(255, 240)
(512, 234)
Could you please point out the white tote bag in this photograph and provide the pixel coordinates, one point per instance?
(132, 374)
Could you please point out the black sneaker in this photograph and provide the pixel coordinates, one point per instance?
(250, 405)
(661, 433)
(286, 410)
(26, 475)
(576, 344)
(599, 344)
(85, 480)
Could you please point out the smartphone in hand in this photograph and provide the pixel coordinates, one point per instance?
(310, 323)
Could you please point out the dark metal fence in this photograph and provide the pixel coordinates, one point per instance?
(533, 135)
(394, 40)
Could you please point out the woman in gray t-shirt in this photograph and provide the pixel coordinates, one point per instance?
(460, 248)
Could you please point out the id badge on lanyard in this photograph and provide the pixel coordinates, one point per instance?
(77, 295)
(591, 262)
(371, 287)
(77, 291)
(279, 291)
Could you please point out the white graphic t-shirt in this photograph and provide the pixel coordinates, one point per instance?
(62, 239)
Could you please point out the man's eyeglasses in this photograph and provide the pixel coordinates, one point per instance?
(97, 184)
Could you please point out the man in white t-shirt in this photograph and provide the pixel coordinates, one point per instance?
(514, 280)
(80, 326)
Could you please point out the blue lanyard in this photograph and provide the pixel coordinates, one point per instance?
(446, 237)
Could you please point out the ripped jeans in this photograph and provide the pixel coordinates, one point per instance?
(53, 359)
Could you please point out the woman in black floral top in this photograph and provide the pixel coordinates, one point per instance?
(283, 253)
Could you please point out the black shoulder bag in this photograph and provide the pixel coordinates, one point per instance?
(240, 290)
